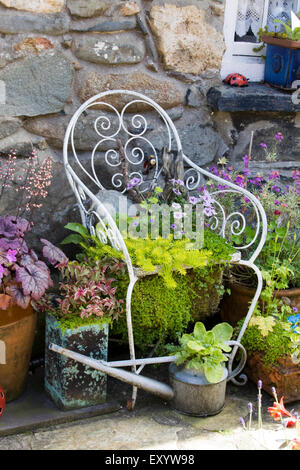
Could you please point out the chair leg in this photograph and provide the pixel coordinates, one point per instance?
(131, 403)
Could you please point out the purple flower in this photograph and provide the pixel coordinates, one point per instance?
(257, 181)
(2, 270)
(278, 137)
(178, 215)
(193, 200)
(295, 309)
(276, 189)
(209, 211)
(274, 175)
(277, 203)
(173, 226)
(240, 181)
(176, 191)
(11, 256)
(222, 187)
(180, 182)
(246, 160)
(214, 170)
(134, 182)
(242, 421)
(135, 223)
(263, 145)
(259, 385)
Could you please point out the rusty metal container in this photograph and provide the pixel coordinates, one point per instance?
(17, 329)
(193, 395)
(72, 384)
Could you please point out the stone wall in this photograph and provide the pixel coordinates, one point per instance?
(55, 54)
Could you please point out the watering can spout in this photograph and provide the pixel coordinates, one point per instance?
(150, 385)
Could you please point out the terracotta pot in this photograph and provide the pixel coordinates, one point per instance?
(289, 43)
(17, 329)
(235, 306)
(284, 376)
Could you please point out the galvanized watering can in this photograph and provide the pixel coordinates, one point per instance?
(189, 392)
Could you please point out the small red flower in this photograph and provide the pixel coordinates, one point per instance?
(278, 410)
(290, 422)
(277, 212)
(295, 444)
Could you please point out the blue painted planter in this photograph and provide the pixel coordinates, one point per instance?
(69, 383)
(282, 62)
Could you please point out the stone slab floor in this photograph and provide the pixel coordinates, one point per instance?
(153, 425)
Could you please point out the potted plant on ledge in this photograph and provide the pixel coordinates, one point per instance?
(283, 54)
(23, 276)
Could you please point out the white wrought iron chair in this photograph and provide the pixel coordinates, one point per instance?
(123, 120)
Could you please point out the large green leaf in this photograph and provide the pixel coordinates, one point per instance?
(73, 238)
(213, 373)
(195, 364)
(195, 346)
(209, 338)
(222, 332)
(199, 330)
(78, 228)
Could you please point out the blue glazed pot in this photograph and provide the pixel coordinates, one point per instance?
(282, 62)
(69, 383)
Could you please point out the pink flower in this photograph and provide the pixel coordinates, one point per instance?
(11, 256)
(274, 175)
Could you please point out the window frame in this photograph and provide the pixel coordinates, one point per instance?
(239, 56)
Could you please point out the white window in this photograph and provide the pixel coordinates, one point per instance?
(243, 19)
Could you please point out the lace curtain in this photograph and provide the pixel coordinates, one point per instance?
(250, 14)
(281, 10)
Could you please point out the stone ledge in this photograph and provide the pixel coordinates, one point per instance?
(255, 97)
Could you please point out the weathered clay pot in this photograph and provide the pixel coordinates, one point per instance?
(17, 329)
(284, 376)
(234, 306)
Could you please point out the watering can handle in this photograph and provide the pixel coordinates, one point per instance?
(242, 362)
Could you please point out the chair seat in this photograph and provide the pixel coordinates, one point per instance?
(140, 273)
